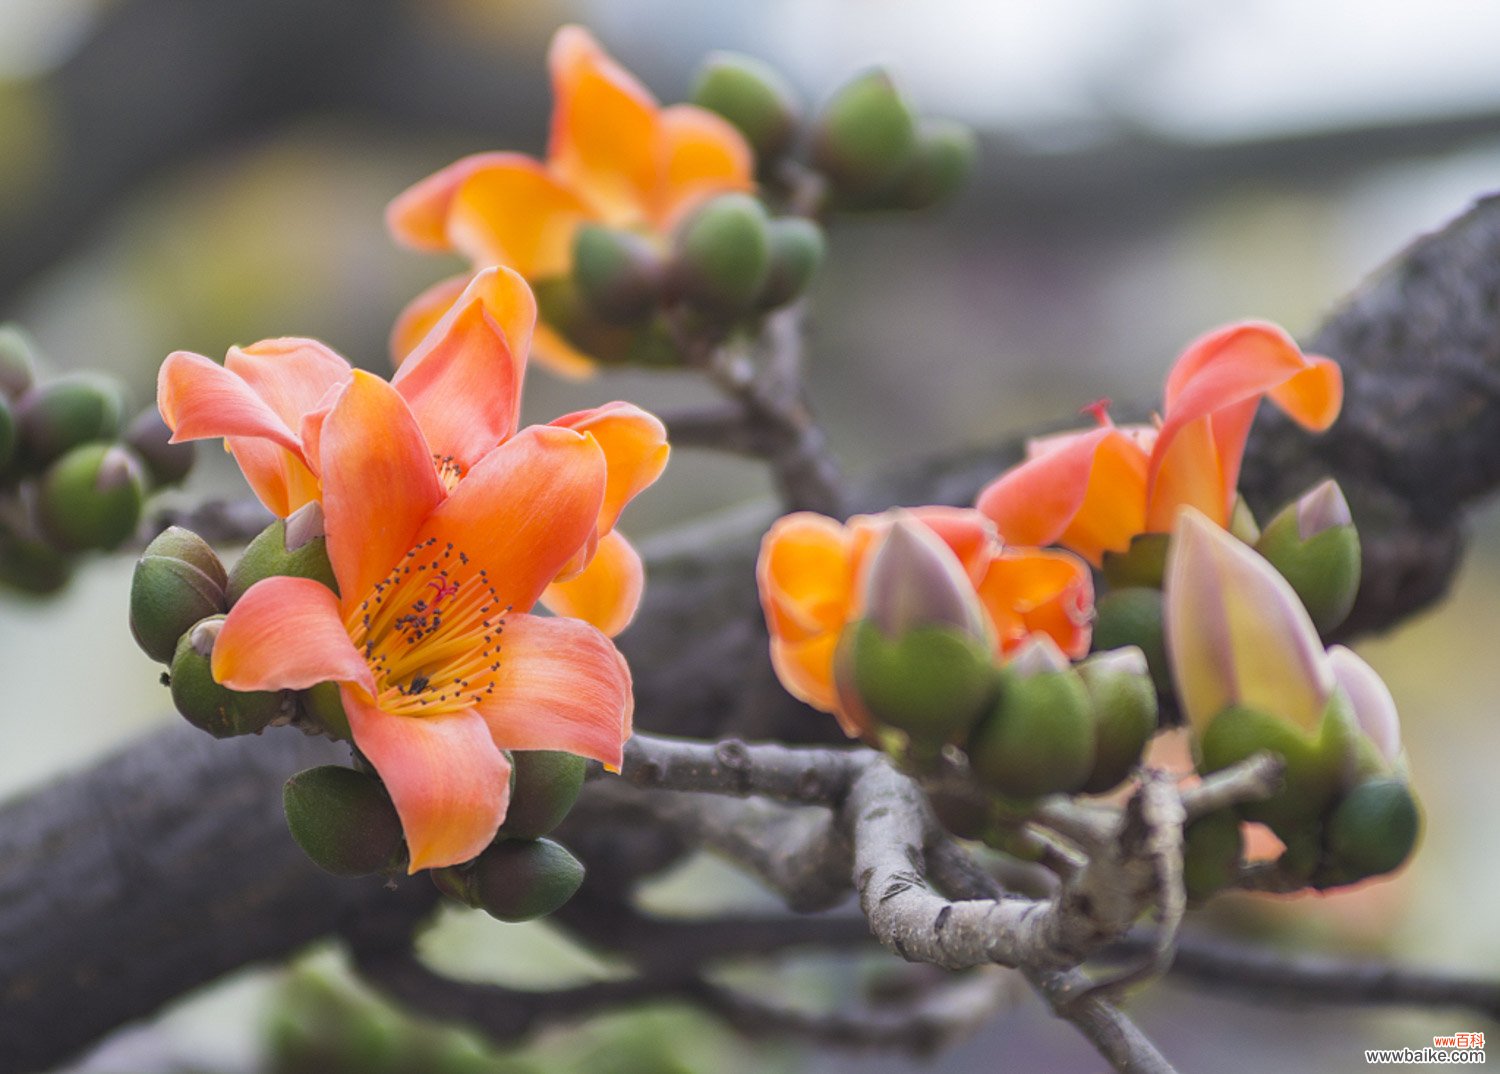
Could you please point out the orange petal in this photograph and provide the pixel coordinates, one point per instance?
(1028, 590)
(422, 314)
(635, 451)
(418, 217)
(516, 213)
(279, 478)
(562, 685)
(286, 634)
(702, 154)
(805, 669)
(551, 350)
(805, 575)
(448, 781)
(604, 128)
(293, 376)
(524, 510)
(379, 484)
(1189, 473)
(607, 592)
(199, 399)
(1314, 396)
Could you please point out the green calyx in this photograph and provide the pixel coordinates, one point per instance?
(545, 785)
(1125, 718)
(206, 704)
(1133, 616)
(31, 566)
(323, 705)
(1211, 851)
(167, 596)
(722, 256)
(1143, 564)
(1372, 830)
(618, 273)
(933, 682)
(514, 880)
(62, 414)
(294, 547)
(1324, 570)
(18, 352)
(796, 250)
(941, 164)
(91, 497)
(561, 306)
(865, 138)
(1037, 739)
(753, 96)
(344, 821)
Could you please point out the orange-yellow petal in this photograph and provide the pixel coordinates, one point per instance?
(805, 578)
(1189, 473)
(286, 634)
(418, 217)
(516, 213)
(422, 314)
(448, 781)
(379, 483)
(524, 510)
(562, 685)
(279, 477)
(805, 669)
(635, 451)
(701, 154)
(200, 399)
(605, 593)
(1028, 590)
(550, 349)
(1314, 396)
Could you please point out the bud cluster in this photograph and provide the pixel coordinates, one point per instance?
(73, 476)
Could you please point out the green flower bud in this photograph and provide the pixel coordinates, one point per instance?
(562, 306)
(941, 163)
(618, 273)
(92, 497)
(722, 255)
(204, 703)
(32, 566)
(8, 436)
(514, 880)
(866, 137)
(1124, 704)
(545, 784)
(169, 592)
(1211, 852)
(294, 546)
(1373, 830)
(1133, 616)
(149, 437)
(797, 249)
(753, 96)
(1315, 547)
(344, 821)
(58, 416)
(1144, 564)
(18, 353)
(324, 706)
(1039, 736)
(933, 682)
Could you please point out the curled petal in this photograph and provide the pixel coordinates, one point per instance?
(607, 591)
(448, 781)
(1034, 591)
(418, 217)
(635, 451)
(422, 314)
(1191, 473)
(702, 154)
(516, 213)
(805, 574)
(293, 376)
(286, 634)
(200, 399)
(562, 685)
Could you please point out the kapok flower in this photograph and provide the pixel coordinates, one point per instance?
(1093, 491)
(438, 664)
(615, 157)
(462, 385)
(812, 572)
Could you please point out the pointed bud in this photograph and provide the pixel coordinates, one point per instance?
(514, 880)
(1314, 544)
(55, 417)
(865, 137)
(1371, 702)
(205, 704)
(169, 591)
(294, 546)
(1237, 634)
(344, 821)
(915, 579)
(1372, 831)
(941, 163)
(797, 249)
(166, 463)
(18, 355)
(1143, 564)
(92, 497)
(618, 273)
(1132, 617)
(722, 255)
(931, 682)
(753, 96)
(545, 785)
(1211, 851)
(1039, 736)
(1124, 706)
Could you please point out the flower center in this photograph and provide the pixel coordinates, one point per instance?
(448, 471)
(430, 631)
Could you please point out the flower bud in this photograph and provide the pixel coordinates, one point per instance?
(294, 546)
(166, 463)
(170, 591)
(18, 353)
(797, 249)
(1211, 851)
(941, 163)
(323, 705)
(1314, 544)
(92, 497)
(344, 821)
(617, 272)
(1133, 617)
(1124, 706)
(1143, 564)
(62, 414)
(1372, 831)
(7, 434)
(1039, 736)
(514, 880)
(753, 96)
(915, 580)
(722, 255)
(865, 137)
(544, 787)
(32, 566)
(1373, 708)
(204, 703)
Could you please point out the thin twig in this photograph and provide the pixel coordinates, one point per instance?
(805, 775)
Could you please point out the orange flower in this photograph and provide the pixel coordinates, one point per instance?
(811, 574)
(615, 157)
(1093, 491)
(438, 664)
(462, 386)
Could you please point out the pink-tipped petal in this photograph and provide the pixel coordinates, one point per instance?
(607, 592)
(293, 376)
(421, 315)
(1374, 707)
(287, 634)
(200, 399)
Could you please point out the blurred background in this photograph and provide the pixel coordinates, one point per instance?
(190, 174)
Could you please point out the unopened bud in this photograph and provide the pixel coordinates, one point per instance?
(171, 590)
(1211, 851)
(544, 787)
(1142, 564)
(62, 414)
(18, 353)
(514, 880)
(7, 434)
(32, 566)
(618, 273)
(722, 255)
(797, 249)
(941, 163)
(915, 580)
(1039, 736)
(204, 703)
(931, 682)
(1373, 707)
(1125, 716)
(1373, 830)
(753, 96)
(166, 463)
(1315, 547)
(865, 137)
(1133, 617)
(92, 497)
(344, 821)
(294, 546)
